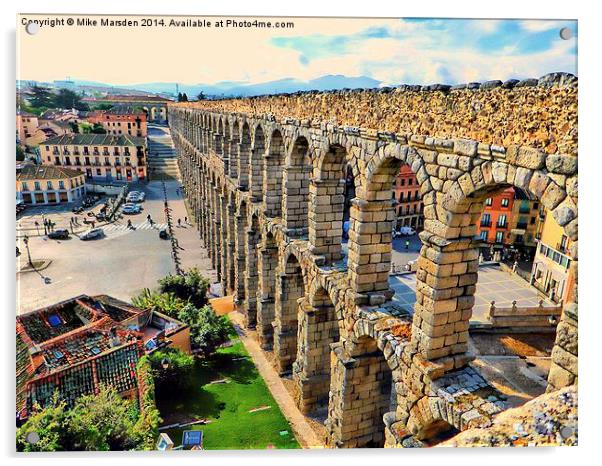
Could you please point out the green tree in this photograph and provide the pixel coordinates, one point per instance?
(42, 97)
(207, 329)
(172, 369)
(201, 96)
(184, 97)
(49, 424)
(179, 97)
(102, 422)
(190, 286)
(97, 128)
(66, 98)
(20, 154)
(146, 428)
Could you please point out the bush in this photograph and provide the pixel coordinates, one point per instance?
(191, 286)
(146, 429)
(174, 377)
(167, 303)
(49, 423)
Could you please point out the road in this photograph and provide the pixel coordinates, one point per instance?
(121, 264)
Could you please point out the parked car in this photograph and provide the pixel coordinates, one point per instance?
(163, 233)
(135, 196)
(61, 233)
(92, 234)
(77, 210)
(407, 231)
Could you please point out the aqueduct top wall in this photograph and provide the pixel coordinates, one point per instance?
(540, 113)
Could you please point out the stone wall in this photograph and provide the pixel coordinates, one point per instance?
(539, 113)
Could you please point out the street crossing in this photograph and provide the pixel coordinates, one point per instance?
(115, 229)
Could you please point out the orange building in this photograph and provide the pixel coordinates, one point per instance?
(27, 126)
(495, 225)
(122, 120)
(406, 192)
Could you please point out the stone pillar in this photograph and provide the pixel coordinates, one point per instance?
(223, 230)
(230, 250)
(318, 327)
(240, 261)
(563, 370)
(251, 278)
(360, 395)
(295, 203)
(370, 240)
(445, 286)
(326, 218)
(268, 262)
(233, 147)
(289, 290)
(256, 173)
(244, 156)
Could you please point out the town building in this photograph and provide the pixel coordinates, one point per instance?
(494, 226)
(406, 192)
(551, 273)
(524, 221)
(102, 157)
(47, 184)
(122, 119)
(76, 345)
(27, 126)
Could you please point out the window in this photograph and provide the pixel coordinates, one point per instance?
(488, 201)
(410, 182)
(499, 237)
(403, 182)
(535, 205)
(98, 172)
(49, 184)
(483, 235)
(24, 186)
(61, 185)
(486, 220)
(532, 221)
(505, 202)
(501, 221)
(37, 186)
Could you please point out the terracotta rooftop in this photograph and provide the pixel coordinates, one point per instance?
(45, 172)
(95, 140)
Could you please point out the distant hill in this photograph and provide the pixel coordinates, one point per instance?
(243, 89)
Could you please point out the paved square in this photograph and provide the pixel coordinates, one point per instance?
(493, 285)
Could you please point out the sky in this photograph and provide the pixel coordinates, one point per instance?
(393, 51)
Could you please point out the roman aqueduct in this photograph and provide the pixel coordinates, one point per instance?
(264, 177)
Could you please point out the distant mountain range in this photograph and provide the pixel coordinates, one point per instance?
(243, 89)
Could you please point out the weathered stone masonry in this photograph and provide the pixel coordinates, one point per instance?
(264, 177)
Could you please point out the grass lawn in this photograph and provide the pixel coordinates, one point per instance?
(227, 405)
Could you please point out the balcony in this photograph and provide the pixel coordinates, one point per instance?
(501, 225)
(486, 223)
(522, 226)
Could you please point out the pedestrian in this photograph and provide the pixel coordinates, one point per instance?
(179, 222)
(93, 223)
(407, 244)
(185, 219)
(129, 223)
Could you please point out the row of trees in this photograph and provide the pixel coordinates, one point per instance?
(182, 97)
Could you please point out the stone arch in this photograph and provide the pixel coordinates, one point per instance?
(290, 288)
(256, 168)
(240, 226)
(226, 147)
(326, 204)
(244, 156)
(272, 179)
(267, 269)
(296, 180)
(231, 242)
(448, 267)
(318, 329)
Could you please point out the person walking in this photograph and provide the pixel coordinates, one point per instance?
(186, 220)
(129, 224)
(407, 244)
(179, 222)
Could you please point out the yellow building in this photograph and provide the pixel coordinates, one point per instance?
(524, 221)
(40, 184)
(551, 273)
(102, 157)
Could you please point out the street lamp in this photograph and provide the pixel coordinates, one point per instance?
(26, 241)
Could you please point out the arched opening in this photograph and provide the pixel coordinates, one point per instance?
(257, 165)
(218, 147)
(290, 288)
(273, 176)
(244, 157)
(231, 245)
(327, 205)
(241, 255)
(362, 393)
(251, 276)
(296, 180)
(268, 263)
(318, 329)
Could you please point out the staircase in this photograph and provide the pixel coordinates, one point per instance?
(162, 162)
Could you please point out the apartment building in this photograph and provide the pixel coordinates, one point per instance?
(102, 157)
(409, 206)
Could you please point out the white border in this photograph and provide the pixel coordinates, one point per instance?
(590, 261)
